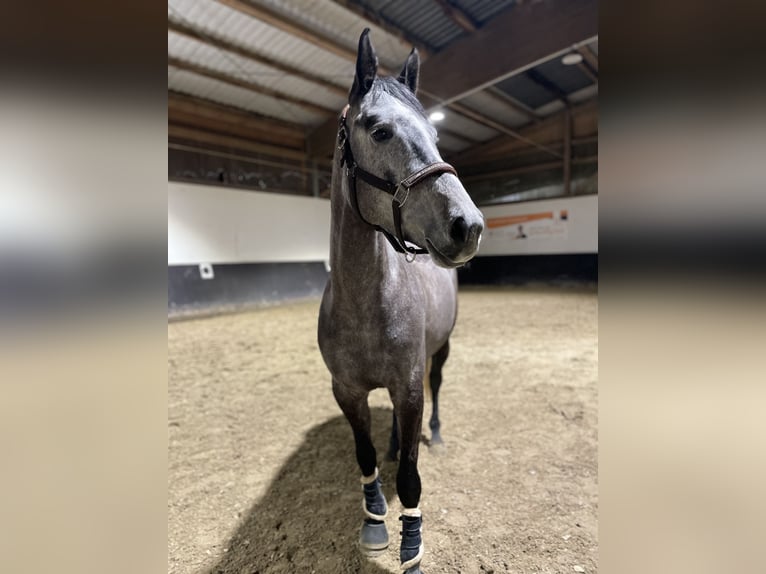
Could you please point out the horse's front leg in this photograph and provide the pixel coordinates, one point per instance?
(373, 537)
(409, 410)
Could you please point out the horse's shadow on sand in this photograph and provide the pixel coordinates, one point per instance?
(309, 519)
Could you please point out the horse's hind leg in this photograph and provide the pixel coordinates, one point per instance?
(438, 360)
(373, 538)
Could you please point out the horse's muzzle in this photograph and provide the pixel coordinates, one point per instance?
(465, 236)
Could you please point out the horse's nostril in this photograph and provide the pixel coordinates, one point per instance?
(459, 230)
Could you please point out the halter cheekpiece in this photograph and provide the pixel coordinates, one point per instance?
(399, 192)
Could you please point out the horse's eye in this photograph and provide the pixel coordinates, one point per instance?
(382, 134)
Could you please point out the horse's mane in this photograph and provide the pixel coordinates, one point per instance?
(393, 87)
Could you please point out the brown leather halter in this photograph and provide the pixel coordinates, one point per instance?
(400, 191)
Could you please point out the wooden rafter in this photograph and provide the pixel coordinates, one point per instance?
(204, 114)
(324, 167)
(176, 132)
(510, 41)
(457, 15)
(425, 53)
(246, 84)
(535, 167)
(512, 103)
(589, 57)
(456, 135)
(549, 131)
(585, 68)
(230, 113)
(567, 151)
(490, 123)
(547, 85)
(227, 46)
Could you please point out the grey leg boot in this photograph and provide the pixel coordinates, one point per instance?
(411, 551)
(373, 539)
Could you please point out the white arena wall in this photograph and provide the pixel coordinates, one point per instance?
(209, 224)
(231, 248)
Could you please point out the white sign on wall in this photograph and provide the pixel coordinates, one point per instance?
(566, 225)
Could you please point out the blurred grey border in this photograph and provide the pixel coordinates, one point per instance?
(83, 286)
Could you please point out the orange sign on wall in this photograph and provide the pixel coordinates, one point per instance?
(493, 222)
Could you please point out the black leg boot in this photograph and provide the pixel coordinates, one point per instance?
(373, 538)
(411, 551)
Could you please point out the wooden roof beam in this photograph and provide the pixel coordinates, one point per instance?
(532, 168)
(585, 124)
(456, 135)
(490, 123)
(458, 16)
(513, 39)
(197, 113)
(223, 112)
(586, 69)
(547, 85)
(589, 57)
(515, 105)
(195, 34)
(176, 132)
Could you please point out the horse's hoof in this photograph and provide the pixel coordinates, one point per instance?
(373, 539)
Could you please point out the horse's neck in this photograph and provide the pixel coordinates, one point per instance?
(359, 256)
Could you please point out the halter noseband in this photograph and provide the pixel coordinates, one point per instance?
(400, 191)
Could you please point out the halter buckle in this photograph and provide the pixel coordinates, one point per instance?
(406, 193)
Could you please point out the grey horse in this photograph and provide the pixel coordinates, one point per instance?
(387, 312)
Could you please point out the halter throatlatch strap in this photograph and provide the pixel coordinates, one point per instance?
(400, 191)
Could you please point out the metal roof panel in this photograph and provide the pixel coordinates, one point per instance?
(423, 20)
(223, 22)
(482, 10)
(494, 107)
(234, 65)
(200, 86)
(460, 124)
(568, 78)
(331, 19)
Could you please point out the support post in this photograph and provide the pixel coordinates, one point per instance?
(567, 151)
(314, 178)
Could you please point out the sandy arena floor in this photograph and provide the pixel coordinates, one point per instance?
(262, 477)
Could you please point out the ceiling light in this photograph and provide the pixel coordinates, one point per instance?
(571, 59)
(436, 116)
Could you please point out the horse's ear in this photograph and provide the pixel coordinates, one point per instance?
(366, 68)
(411, 71)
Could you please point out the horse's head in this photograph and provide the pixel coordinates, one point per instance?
(392, 138)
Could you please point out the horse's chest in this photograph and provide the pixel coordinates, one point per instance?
(364, 342)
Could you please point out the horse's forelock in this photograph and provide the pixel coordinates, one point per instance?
(402, 93)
